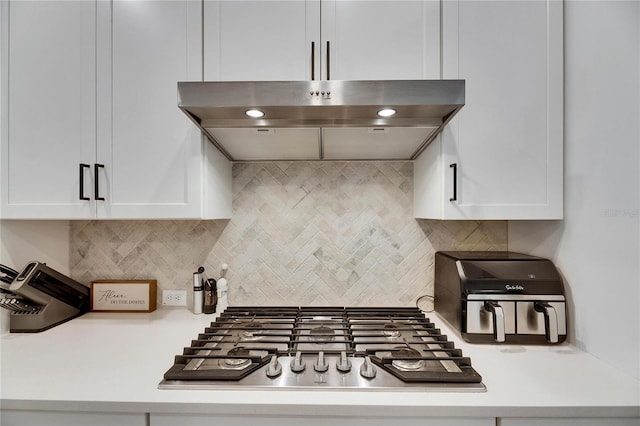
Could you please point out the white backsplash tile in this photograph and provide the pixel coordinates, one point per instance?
(302, 233)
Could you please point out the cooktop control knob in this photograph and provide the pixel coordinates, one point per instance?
(297, 366)
(274, 369)
(320, 365)
(367, 369)
(344, 365)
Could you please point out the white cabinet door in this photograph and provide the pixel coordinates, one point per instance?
(569, 421)
(62, 418)
(261, 40)
(151, 152)
(321, 39)
(293, 420)
(48, 108)
(380, 40)
(507, 141)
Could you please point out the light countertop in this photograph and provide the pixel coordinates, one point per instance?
(113, 362)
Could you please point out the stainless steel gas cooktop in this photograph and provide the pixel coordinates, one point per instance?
(322, 348)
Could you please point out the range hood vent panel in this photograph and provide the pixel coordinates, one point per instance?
(373, 143)
(269, 144)
(219, 107)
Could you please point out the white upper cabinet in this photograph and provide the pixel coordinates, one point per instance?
(260, 40)
(92, 113)
(380, 40)
(501, 157)
(152, 153)
(48, 108)
(321, 40)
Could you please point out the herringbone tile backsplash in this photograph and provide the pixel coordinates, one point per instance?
(302, 233)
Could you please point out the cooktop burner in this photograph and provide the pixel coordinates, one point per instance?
(322, 348)
(406, 359)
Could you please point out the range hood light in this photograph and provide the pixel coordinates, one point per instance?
(387, 112)
(254, 113)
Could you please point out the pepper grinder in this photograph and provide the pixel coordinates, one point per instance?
(210, 296)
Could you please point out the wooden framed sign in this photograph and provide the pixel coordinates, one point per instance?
(123, 295)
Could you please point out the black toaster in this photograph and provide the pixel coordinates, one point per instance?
(501, 297)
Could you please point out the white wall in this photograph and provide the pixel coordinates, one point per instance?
(596, 247)
(24, 241)
(44, 241)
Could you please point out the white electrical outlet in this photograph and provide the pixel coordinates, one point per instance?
(174, 297)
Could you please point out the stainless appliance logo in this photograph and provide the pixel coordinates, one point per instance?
(516, 287)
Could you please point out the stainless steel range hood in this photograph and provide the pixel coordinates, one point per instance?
(321, 120)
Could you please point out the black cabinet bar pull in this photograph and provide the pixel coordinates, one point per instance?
(82, 167)
(313, 60)
(454, 166)
(96, 177)
(328, 61)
